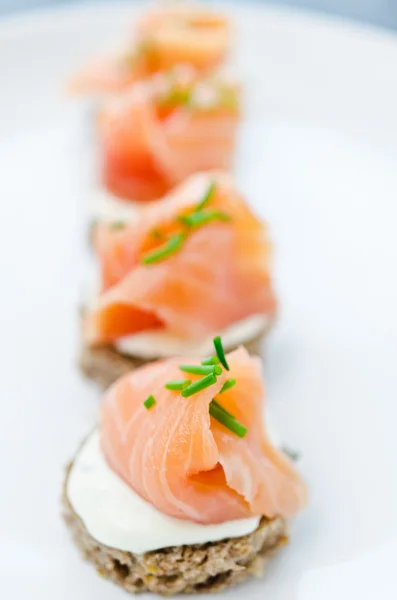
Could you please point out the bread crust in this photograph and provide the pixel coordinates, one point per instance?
(104, 364)
(196, 568)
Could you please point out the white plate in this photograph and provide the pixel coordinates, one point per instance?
(318, 157)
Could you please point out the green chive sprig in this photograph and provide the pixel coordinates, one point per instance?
(223, 417)
(227, 385)
(212, 360)
(207, 196)
(149, 402)
(156, 234)
(220, 352)
(201, 369)
(175, 97)
(195, 218)
(178, 384)
(200, 217)
(199, 385)
(117, 225)
(219, 407)
(292, 454)
(165, 250)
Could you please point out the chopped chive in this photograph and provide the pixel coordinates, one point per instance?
(226, 419)
(227, 385)
(199, 385)
(175, 97)
(117, 225)
(156, 234)
(185, 96)
(212, 360)
(220, 352)
(144, 46)
(201, 370)
(149, 402)
(201, 217)
(221, 215)
(292, 454)
(207, 196)
(164, 251)
(221, 408)
(228, 98)
(178, 384)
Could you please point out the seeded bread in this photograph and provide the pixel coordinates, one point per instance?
(104, 364)
(180, 569)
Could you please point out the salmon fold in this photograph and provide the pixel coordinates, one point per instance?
(187, 464)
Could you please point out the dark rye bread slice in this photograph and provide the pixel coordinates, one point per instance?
(194, 568)
(104, 364)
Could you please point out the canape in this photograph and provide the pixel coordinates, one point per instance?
(167, 35)
(180, 488)
(196, 263)
(157, 132)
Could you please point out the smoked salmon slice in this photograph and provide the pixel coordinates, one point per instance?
(159, 131)
(170, 34)
(194, 263)
(185, 462)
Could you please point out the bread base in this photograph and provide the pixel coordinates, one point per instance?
(197, 568)
(104, 364)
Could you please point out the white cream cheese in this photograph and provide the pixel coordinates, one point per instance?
(116, 516)
(106, 208)
(156, 343)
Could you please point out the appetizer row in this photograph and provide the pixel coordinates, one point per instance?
(181, 487)
(195, 264)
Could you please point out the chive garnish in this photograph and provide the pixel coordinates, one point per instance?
(220, 407)
(156, 234)
(199, 385)
(149, 402)
(201, 370)
(207, 196)
(201, 217)
(212, 360)
(117, 225)
(220, 352)
(175, 97)
(220, 215)
(178, 384)
(165, 250)
(227, 385)
(292, 454)
(226, 419)
(228, 98)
